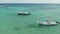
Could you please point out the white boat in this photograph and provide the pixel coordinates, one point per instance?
(23, 13)
(46, 23)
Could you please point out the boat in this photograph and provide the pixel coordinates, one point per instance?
(47, 23)
(23, 13)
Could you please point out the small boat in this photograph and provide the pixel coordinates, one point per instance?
(23, 13)
(47, 23)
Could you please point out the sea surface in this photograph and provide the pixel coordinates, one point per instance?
(12, 23)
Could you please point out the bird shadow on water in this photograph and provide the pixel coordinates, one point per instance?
(17, 28)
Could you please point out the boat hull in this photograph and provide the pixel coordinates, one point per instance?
(24, 13)
(46, 23)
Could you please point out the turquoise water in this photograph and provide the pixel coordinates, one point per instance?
(11, 23)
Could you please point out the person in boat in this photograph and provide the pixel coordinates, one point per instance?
(48, 19)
